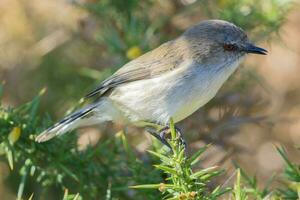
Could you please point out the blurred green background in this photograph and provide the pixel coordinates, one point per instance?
(63, 49)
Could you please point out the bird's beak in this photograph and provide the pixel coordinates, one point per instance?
(250, 48)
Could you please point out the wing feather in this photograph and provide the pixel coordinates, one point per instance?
(152, 64)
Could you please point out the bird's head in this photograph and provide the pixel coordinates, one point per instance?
(218, 41)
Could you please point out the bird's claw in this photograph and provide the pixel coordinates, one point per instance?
(162, 136)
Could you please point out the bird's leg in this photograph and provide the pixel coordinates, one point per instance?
(158, 136)
(180, 135)
(163, 133)
(166, 130)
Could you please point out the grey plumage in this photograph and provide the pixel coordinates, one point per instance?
(173, 80)
(57, 128)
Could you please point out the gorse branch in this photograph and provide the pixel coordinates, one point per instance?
(108, 168)
(182, 181)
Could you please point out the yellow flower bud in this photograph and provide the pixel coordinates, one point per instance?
(162, 187)
(182, 196)
(192, 195)
(133, 52)
(14, 134)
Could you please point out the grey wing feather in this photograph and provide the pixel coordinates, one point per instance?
(118, 79)
(152, 64)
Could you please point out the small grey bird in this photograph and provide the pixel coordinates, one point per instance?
(171, 81)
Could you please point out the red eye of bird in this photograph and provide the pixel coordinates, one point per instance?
(229, 47)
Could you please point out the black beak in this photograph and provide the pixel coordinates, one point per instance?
(250, 48)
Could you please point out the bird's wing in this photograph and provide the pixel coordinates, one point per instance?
(152, 64)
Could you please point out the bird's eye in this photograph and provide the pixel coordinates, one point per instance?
(230, 47)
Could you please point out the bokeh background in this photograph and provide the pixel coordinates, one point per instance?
(63, 49)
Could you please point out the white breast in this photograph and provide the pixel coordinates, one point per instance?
(200, 88)
(175, 94)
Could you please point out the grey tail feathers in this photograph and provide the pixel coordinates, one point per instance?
(70, 122)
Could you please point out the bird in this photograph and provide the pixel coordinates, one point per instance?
(171, 81)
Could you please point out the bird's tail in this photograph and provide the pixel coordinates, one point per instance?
(89, 115)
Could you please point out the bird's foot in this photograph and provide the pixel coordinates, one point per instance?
(167, 131)
(163, 136)
(163, 140)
